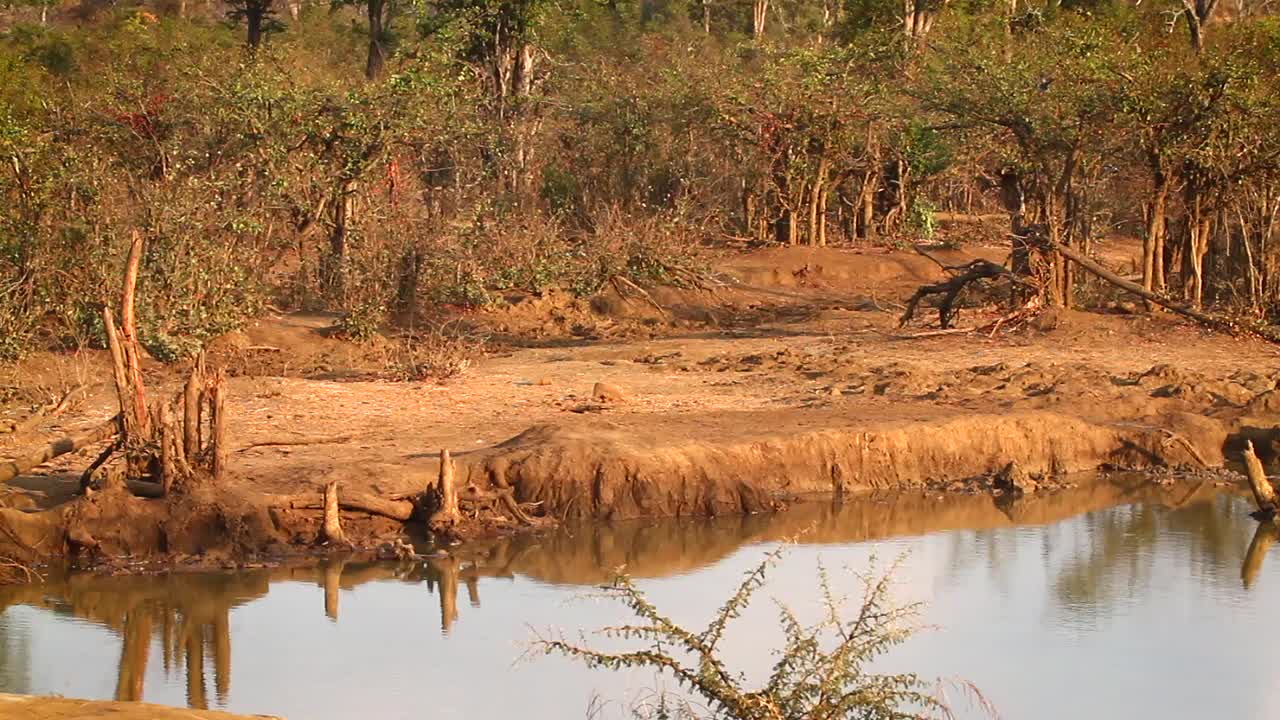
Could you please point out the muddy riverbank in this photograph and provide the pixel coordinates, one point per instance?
(1096, 570)
(793, 382)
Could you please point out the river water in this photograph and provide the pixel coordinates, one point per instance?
(1114, 600)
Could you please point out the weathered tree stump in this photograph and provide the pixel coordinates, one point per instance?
(1263, 493)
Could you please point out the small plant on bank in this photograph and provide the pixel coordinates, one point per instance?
(820, 672)
(437, 355)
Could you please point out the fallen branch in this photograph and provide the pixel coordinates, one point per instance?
(103, 457)
(1212, 321)
(933, 333)
(1173, 437)
(47, 412)
(13, 468)
(339, 440)
(951, 288)
(619, 282)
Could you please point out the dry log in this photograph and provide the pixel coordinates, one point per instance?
(333, 534)
(395, 509)
(13, 468)
(1263, 493)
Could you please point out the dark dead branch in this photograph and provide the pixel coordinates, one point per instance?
(961, 277)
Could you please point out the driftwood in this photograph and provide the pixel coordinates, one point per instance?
(396, 509)
(332, 529)
(13, 468)
(1263, 493)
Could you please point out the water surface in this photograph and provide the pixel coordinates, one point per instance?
(1116, 600)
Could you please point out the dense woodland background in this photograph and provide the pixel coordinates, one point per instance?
(385, 159)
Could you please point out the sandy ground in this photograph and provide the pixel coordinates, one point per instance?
(26, 707)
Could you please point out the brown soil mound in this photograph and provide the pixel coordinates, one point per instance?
(595, 470)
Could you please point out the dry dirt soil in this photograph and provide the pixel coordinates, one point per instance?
(789, 376)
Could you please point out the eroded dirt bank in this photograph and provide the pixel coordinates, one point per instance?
(791, 382)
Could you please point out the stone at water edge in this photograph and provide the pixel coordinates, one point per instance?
(607, 392)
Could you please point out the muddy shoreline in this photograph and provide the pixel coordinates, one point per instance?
(796, 392)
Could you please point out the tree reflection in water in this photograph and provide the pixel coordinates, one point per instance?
(1106, 555)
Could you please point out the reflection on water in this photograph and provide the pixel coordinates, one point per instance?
(1040, 581)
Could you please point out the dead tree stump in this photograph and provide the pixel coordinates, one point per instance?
(1263, 493)
(448, 514)
(218, 439)
(332, 530)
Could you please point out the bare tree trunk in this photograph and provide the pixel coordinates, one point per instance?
(815, 202)
(255, 12)
(343, 216)
(759, 13)
(377, 58)
(129, 329)
(1153, 247)
(706, 17)
(822, 216)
